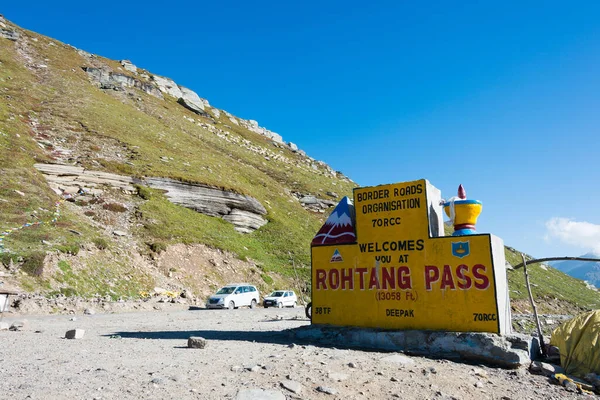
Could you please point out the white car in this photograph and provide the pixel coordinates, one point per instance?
(233, 296)
(281, 298)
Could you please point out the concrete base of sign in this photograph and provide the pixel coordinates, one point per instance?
(509, 351)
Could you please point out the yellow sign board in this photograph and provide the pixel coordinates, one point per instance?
(399, 272)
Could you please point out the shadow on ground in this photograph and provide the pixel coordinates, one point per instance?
(275, 337)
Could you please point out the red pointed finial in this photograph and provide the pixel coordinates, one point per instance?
(462, 194)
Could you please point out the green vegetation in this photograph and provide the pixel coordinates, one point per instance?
(556, 291)
(98, 279)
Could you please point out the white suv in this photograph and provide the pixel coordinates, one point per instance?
(233, 296)
(281, 298)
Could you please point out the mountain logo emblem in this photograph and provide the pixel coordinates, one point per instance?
(339, 227)
(460, 249)
(336, 257)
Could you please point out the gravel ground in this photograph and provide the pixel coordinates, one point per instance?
(248, 355)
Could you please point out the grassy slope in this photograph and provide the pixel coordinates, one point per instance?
(149, 129)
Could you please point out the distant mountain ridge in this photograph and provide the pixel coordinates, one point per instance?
(585, 270)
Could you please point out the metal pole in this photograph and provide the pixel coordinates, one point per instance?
(535, 314)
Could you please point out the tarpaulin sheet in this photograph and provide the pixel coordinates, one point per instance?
(579, 343)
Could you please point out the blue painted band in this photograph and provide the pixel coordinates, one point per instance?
(447, 204)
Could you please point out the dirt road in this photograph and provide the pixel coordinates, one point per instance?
(144, 355)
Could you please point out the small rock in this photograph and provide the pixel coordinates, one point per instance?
(479, 384)
(292, 386)
(73, 319)
(570, 386)
(119, 233)
(89, 311)
(352, 365)
(19, 325)
(254, 368)
(4, 326)
(158, 381)
(237, 368)
(542, 368)
(74, 334)
(196, 342)
(325, 389)
(292, 345)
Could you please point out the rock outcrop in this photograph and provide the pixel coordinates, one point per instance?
(9, 34)
(167, 86)
(253, 126)
(244, 212)
(159, 86)
(107, 79)
(129, 66)
(70, 179)
(313, 203)
(190, 100)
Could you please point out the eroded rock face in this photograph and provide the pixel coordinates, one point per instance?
(115, 81)
(9, 34)
(244, 212)
(69, 179)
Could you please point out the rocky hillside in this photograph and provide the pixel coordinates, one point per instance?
(117, 180)
(113, 172)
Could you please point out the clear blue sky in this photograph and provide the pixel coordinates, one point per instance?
(503, 98)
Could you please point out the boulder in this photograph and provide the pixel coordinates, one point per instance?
(309, 200)
(167, 86)
(75, 334)
(293, 147)
(216, 113)
(196, 342)
(192, 101)
(292, 386)
(129, 66)
(19, 325)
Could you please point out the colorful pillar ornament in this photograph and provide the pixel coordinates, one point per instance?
(463, 213)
